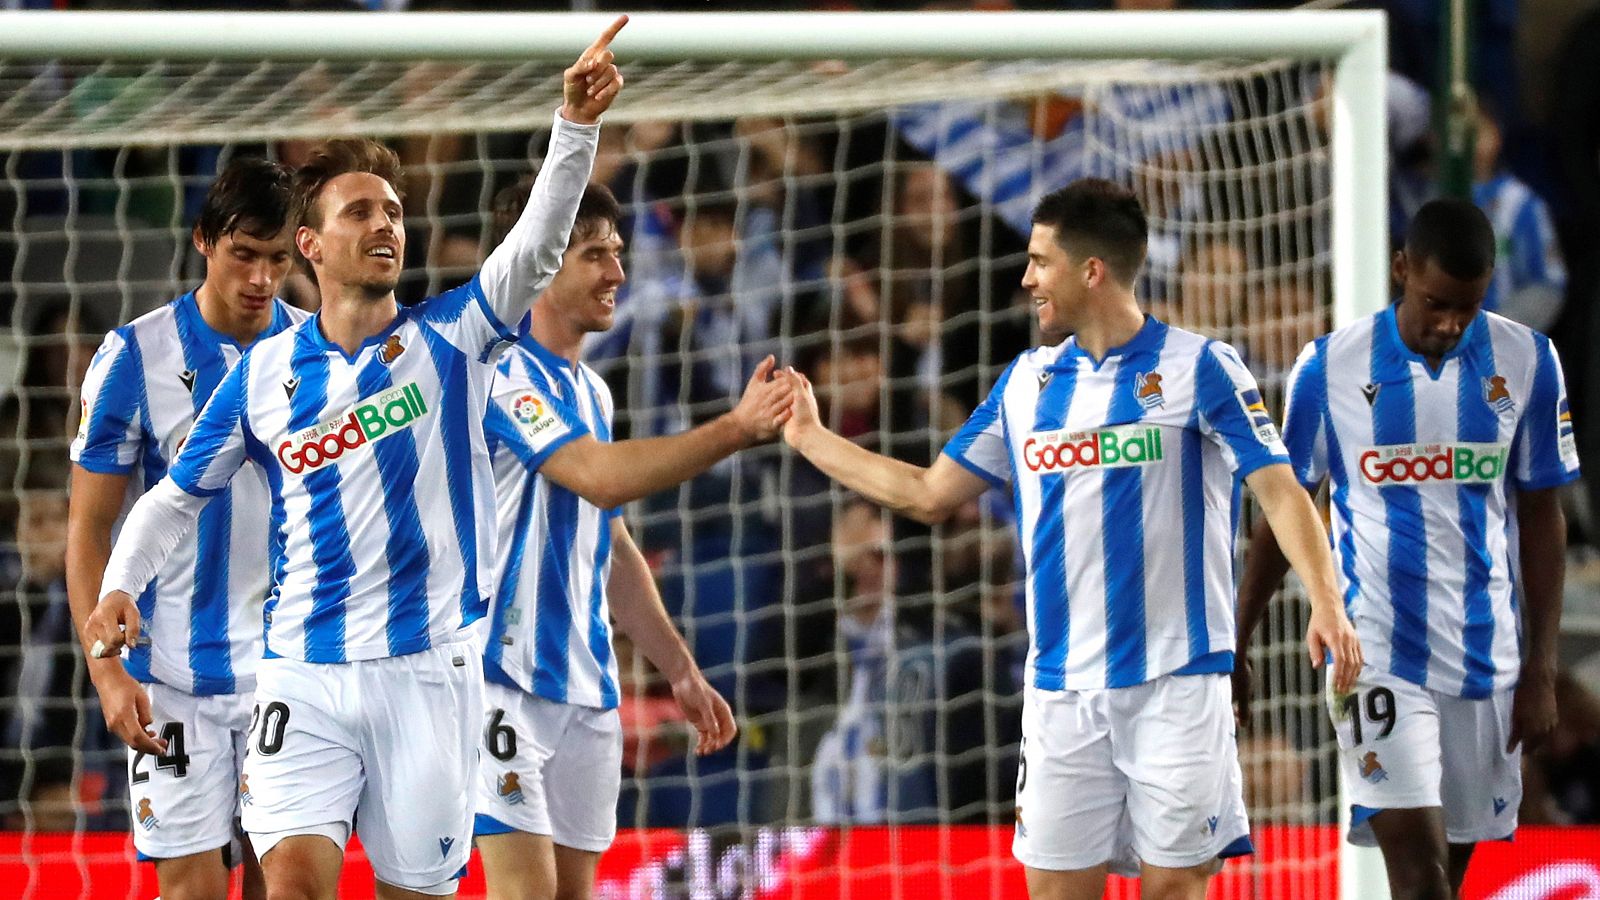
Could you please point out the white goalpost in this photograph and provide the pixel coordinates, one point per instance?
(847, 190)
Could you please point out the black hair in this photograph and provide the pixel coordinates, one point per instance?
(1100, 218)
(597, 205)
(1453, 233)
(250, 195)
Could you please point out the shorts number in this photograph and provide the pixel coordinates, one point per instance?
(1022, 765)
(273, 720)
(500, 739)
(1379, 708)
(175, 758)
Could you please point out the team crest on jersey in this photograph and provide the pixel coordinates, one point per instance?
(1497, 395)
(245, 797)
(1147, 388)
(1371, 769)
(1255, 409)
(391, 350)
(146, 815)
(509, 788)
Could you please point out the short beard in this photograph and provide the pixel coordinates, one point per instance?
(380, 288)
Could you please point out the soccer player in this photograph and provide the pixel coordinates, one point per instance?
(1444, 433)
(368, 420)
(552, 753)
(182, 699)
(1124, 444)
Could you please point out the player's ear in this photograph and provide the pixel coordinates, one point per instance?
(309, 243)
(1397, 272)
(200, 243)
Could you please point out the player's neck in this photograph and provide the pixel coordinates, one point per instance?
(348, 321)
(244, 329)
(554, 334)
(1114, 322)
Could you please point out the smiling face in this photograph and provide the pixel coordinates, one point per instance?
(1054, 282)
(360, 237)
(1435, 307)
(584, 290)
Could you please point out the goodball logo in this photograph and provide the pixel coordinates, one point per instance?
(370, 420)
(1409, 464)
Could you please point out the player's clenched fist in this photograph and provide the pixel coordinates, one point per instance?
(113, 625)
(589, 85)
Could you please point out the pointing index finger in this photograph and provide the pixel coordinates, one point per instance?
(604, 40)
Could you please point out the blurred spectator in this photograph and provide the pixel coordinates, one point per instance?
(1530, 278)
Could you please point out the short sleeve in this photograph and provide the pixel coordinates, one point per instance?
(1305, 417)
(215, 448)
(110, 436)
(980, 445)
(1232, 412)
(528, 420)
(1544, 452)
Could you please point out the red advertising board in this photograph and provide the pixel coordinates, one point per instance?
(960, 863)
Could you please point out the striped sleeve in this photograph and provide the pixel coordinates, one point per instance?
(1233, 413)
(1544, 453)
(1305, 416)
(528, 420)
(109, 435)
(215, 448)
(980, 445)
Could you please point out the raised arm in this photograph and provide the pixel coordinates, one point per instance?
(525, 262)
(928, 495)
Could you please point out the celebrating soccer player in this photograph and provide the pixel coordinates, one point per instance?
(368, 420)
(1426, 418)
(182, 699)
(1123, 445)
(552, 753)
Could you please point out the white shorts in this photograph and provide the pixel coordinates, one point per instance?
(1153, 769)
(384, 746)
(188, 800)
(1415, 748)
(549, 768)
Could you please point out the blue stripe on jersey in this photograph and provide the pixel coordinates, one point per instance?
(330, 539)
(210, 648)
(1122, 536)
(1340, 494)
(553, 630)
(407, 628)
(454, 430)
(1394, 421)
(121, 393)
(1476, 422)
(133, 393)
(1194, 535)
(599, 631)
(1049, 553)
(275, 533)
(1539, 432)
(506, 596)
(1306, 415)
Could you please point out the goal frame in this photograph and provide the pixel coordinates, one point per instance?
(1355, 40)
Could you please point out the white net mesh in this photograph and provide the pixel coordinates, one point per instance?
(864, 222)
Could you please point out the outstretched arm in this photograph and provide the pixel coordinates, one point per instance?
(610, 474)
(523, 265)
(636, 603)
(1302, 538)
(928, 495)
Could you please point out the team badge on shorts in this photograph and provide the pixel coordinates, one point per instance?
(1021, 828)
(245, 797)
(146, 815)
(509, 787)
(1371, 769)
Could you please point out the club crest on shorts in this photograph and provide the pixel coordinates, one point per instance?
(245, 797)
(146, 815)
(1497, 395)
(1371, 769)
(1147, 389)
(1021, 828)
(509, 788)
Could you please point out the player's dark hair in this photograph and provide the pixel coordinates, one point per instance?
(250, 195)
(597, 209)
(1453, 233)
(1095, 217)
(332, 158)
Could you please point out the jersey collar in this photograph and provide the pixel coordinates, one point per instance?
(319, 341)
(188, 307)
(1388, 332)
(1146, 340)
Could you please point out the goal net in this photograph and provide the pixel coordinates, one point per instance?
(848, 193)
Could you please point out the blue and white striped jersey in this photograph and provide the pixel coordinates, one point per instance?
(1125, 475)
(1527, 252)
(550, 625)
(202, 611)
(1419, 463)
(382, 492)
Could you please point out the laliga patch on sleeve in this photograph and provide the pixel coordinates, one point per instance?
(1255, 412)
(535, 416)
(1566, 443)
(83, 421)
